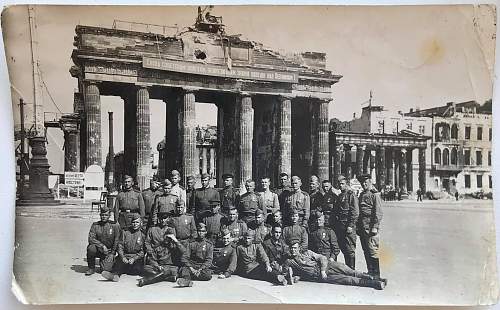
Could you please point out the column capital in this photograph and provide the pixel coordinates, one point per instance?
(189, 89)
(286, 96)
(403, 150)
(243, 94)
(92, 82)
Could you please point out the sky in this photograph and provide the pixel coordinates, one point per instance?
(412, 56)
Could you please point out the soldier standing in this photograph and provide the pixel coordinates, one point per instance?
(296, 232)
(283, 189)
(213, 221)
(249, 202)
(329, 200)
(228, 194)
(149, 196)
(166, 202)
(177, 189)
(316, 197)
(323, 240)
(345, 216)
(128, 201)
(236, 226)
(130, 252)
(203, 196)
(298, 200)
(185, 228)
(198, 257)
(190, 194)
(370, 216)
(103, 242)
(269, 199)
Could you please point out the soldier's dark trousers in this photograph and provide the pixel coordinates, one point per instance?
(152, 275)
(347, 244)
(260, 273)
(105, 261)
(370, 245)
(205, 274)
(339, 273)
(120, 267)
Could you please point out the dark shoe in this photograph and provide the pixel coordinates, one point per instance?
(182, 282)
(281, 279)
(378, 285)
(171, 279)
(107, 275)
(289, 275)
(296, 279)
(90, 272)
(150, 280)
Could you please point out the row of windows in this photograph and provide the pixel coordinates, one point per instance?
(479, 133)
(444, 133)
(451, 158)
(479, 181)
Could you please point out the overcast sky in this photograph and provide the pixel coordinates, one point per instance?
(413, 56)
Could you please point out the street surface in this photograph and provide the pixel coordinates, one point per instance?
(432, 253)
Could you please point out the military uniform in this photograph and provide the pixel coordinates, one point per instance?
(277, 251)
(296, 232)
(213, 223)
(190, 201)
(131, 246)
(270, 201)
(345, 214)
(166, 203)
(370, 216)
(282, 193)
(179, 191)
(225, 260)
(202, 198)
(329, 201)
(252, 262)
(199, 255)
(316, 203)
(228, 196)
(237, 228)
(185, 228)
(247, 204)
(324, 241)
(103, 234)
(149, 196)
(128, 201)
(297, 201)
(261, 231)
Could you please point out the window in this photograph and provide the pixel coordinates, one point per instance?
(489, 158)
(381, 127)
(467, 181)
(421, 129)
(479, 133)
(489, 134)
(453, 156)
(437, 156)
(446, 157)
(454, 131)
(479, 180)
(479, 158)
(490, 183)
(467, 132)
(467, 157)
(409, 126)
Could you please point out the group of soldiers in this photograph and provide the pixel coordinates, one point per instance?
(171, 233)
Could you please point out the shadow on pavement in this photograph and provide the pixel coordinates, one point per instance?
(79, 268)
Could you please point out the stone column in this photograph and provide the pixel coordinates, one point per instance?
(372, 166)
(402, 171)
(130, 134)
(143, 139)
(38, 172)
(70, 126)
(390, 167)
(246, 114)
(337, 170)
(204, 160)
(188, 129)
(92, 101)
(360, 149)
(421, 169)
(366, 160)
(213, 170)
(348, 161)
(285, 135)
(323, 141)
(382, 167)
(173, 152)
(409, 170)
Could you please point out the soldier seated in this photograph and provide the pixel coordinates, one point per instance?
(224, 262)
(253, 262)
(259, 226)
(236, 226)
(323, 240)
(296, 232)
(277, 252)
(164, 253)
(185, 228)
(315, 267)
(103, 242)
(130, 252)
(198, 258)
(277, 219)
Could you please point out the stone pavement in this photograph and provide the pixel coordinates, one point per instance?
(439, 254)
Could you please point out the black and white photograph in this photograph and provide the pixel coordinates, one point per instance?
(256, 154)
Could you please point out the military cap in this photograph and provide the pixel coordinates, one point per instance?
(225, 232)
(205, 175)
(128, 177)
(105, 209)
(175, 172)
(200, 226)
(227, 176)
(258, 211)
(135, 216)
(364, 177)
(283, 174)
(249, 233)
(190, 178)
(166, 182)
(294, 240)
(162, 215)
(214, 203)
(341, 178)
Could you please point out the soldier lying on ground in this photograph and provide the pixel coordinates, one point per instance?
(130, 252)
(103, 242)
(315, 267)
(225, 260)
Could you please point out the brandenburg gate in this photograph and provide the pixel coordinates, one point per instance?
(272, 109)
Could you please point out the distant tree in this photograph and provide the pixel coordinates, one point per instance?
(486, 107)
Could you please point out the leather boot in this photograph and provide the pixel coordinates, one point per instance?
(350, 261)
(378, 285)
(150, 280)
(375, 267)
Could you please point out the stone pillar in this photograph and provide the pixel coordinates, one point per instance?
(390, 167)
(366, 161)
(381, 167)
(347, 161)
(421, 169)
(402, 171)
(92, 101)
(372, 166)
(143, 139)
(129, 134)
(246, 114)
(213, 170)
(285, 136)
(187, 127)
(70, 125)
(323, 141)
(204, 160)
(337, 170)
(409, 170)
(173, 154)
(360, 150)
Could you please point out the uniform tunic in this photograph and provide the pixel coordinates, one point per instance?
(316, 201)
(329, 200)
(308, 265)
(296, 232)
(225, 260)
(190, 201)
(270, 201)
(179, 191)
(370, 216)
(165, 203)
(228, 196)
(199, 254)
(202, 198)
(148, 195)
(345, 213)
(282, 193)
(237, 228)
(160, 250)
(104, 234)
(132, 244)
(184, 225)
(324, 241)
(249, 257)
(276, 251)
(297, 201)
(261, 231)
(213, 223)
(128, 201)
(247, 204)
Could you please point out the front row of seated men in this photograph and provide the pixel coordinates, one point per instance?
(280, 256)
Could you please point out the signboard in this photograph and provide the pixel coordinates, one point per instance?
(74, 178)
(222, 71)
